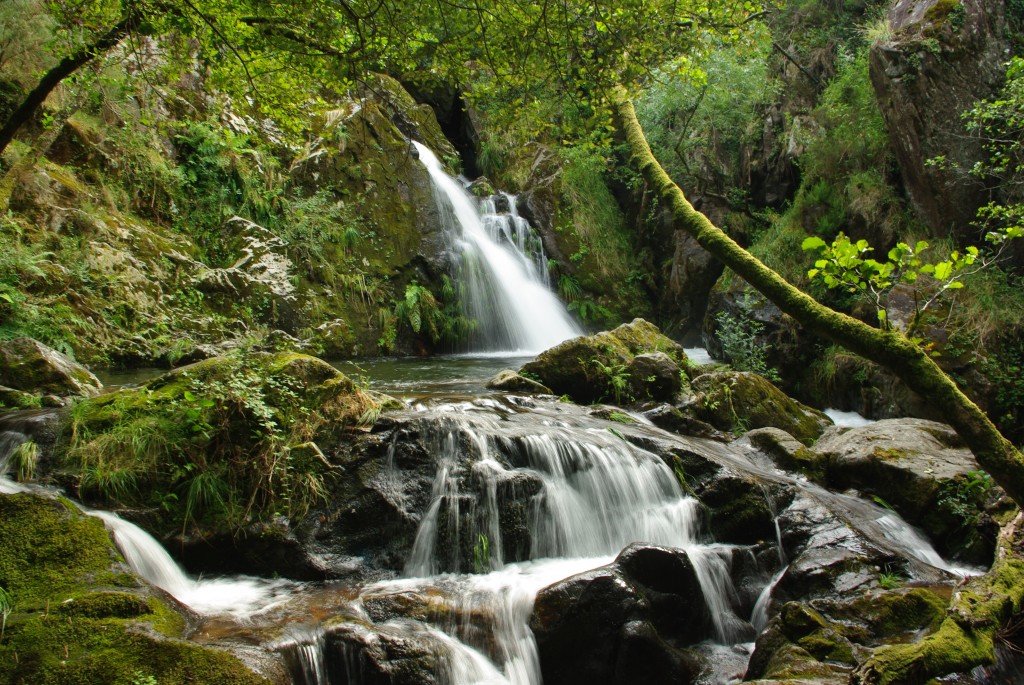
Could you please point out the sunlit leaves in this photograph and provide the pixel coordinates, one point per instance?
(845, 264)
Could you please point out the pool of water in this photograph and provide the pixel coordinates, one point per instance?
(431, 376)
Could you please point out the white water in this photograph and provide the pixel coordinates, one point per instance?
(597, 494)
(847, 419)
(238, 596)
(699, 355)
(502, 273)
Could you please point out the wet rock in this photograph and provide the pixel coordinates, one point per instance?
(510, 381)
(383, 656)
(923, 471)
(786, 452)
(740, 512)
(30, 366)
(670, 418)
(740, 401)
(654, 375)
(598, 367)
(635, 613)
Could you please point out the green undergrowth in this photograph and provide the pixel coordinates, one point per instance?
(220, 442)
(78, 617)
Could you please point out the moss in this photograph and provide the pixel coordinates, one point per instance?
(890, 454)
(965, 637)
(211, 443)
(57, 650)
(47, 550)
(105, 605)
(738, 402)
(67, 628)
(792, 662)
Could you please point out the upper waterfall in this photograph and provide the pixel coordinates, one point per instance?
(504, 287)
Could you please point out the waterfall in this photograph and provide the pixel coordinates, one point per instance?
(501, 270)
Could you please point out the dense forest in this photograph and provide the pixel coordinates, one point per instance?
(203, 200)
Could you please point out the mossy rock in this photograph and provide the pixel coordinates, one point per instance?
(596, 368)
(17, 399)
(741, 401)
(30, 366)
(510, 381)
(208, 443)
(79, 618)
(105, 605)
(923, 471)
(788, 453)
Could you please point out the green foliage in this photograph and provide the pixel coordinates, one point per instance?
(482, 554)
(740, 344)
(844, 264)
(420, 312)
(615, 378)
(890, 580)
(6, 605)
(25, 458)
(698, 119)
(229, 440)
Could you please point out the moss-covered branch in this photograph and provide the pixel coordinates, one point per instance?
(889, 349)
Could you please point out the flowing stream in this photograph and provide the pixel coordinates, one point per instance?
(523, 493)
(588, 492)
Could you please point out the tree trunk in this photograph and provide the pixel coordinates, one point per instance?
(64, 68)
(889, 349)
(40, 146)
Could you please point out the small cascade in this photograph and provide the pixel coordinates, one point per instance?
(502, 270)
(589, 494)
(239, 596)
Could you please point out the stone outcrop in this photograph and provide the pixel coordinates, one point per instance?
(944, 56)
(741, 401)
(30, 366)
(633, 362)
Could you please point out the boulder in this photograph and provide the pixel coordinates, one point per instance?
(654, 375)
(17, 399)
(383, 655)
(30, 366)
(248, 430)
(602, 367)
(510, 381)
(922, 470)
(615, 622)
(741, 401)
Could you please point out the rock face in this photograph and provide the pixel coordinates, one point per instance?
(740, 401)
(30, 366)
(943, 58)
(634, 362)
(921, 469)
(623, 623)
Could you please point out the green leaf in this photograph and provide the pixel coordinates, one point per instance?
(813, 243)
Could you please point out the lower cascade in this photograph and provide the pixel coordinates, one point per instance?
(552, 545)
